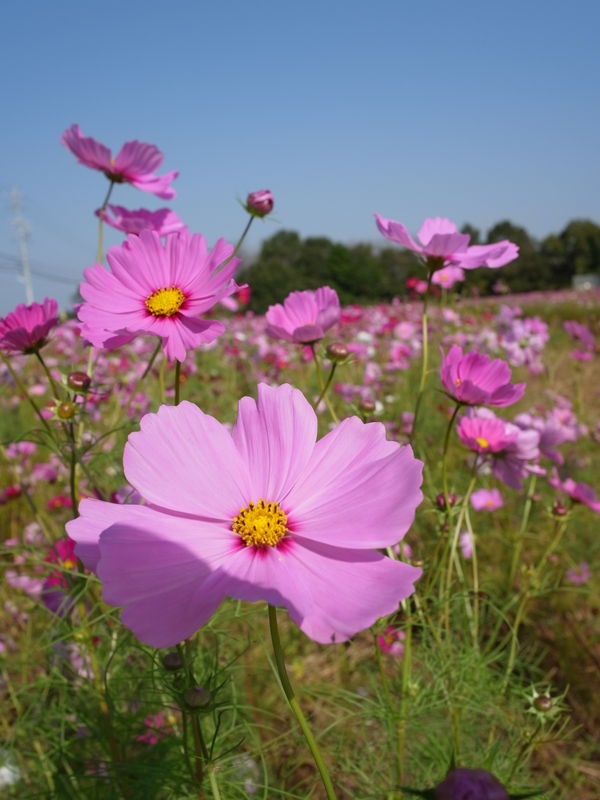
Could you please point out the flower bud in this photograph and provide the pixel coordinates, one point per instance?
(260, 203)
(440, 500)
(463, 783)
(337, 351)
(543, 703)
(66, 410)
(79, 381)
(559, 510)
(367, 406)
(197, 697)
(172, 660)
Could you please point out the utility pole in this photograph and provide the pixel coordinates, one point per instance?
(23, 230)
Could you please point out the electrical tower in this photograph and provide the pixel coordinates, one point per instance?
(23, 230)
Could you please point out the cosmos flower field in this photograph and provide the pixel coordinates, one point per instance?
(325, 552)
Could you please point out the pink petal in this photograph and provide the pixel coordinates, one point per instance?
(358, 489)
(275, 437)
(186, 461)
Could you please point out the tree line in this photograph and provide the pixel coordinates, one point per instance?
(367, 273)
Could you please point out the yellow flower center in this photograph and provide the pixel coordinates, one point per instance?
(165, 302)
(482, 442)
(260, 524)
(458, 382)
(68, 563)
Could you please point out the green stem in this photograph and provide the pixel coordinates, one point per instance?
(518, 540)
(327, 384)
(177, 381)
(424, 357)
(27, 396)
(161, 379)
(453, 548)
(140, 380)
(101, 223)
(53, 386)
(73, 470)
(560, 528)
(445, 460)
(406, 670)
(242, 237)
(293, 703)
(322, 386)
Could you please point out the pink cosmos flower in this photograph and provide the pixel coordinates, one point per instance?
(26, 328)
(260, 203)
(477, 379)
(304, 316)
(441, 241)
(483, 435)
(581, 333)
(135, 162)
(466, 544)
(579, 574)
(163, 220)
(578, 492)
(157, 289)
(448, 276)
(391, 641)
(486, 500)
(508, 449)
(262, 512)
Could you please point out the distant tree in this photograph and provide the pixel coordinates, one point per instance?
(581, 243)
(474, 233)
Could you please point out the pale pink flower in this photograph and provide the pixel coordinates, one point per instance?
(304, 316)
(486, 500)
(441, 242)
(163, 220)
(135, 162)
(447, 277)
(26, 328)
(579, 574)
(157, 289)
(579, 492)
(262, 512)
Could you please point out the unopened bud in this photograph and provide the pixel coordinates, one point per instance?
(559, 510)
(441, 500)
(367, 406)
(172, 660)
(66, 410)
(79, 381)
(197, 697)
(337, 351)
(543, 703)
(260, 203)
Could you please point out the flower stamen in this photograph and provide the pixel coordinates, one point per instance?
(260, 524)
(165, 302)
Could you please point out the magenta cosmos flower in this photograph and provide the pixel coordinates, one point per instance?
(135, 163)
(262, 512)
(577, 491)
(304, 316)
(509, 450)
(441, 242)
(157, 289)
(477, 379)
(26, 328)
(163, 220)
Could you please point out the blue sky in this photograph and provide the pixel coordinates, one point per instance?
(474, 111)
